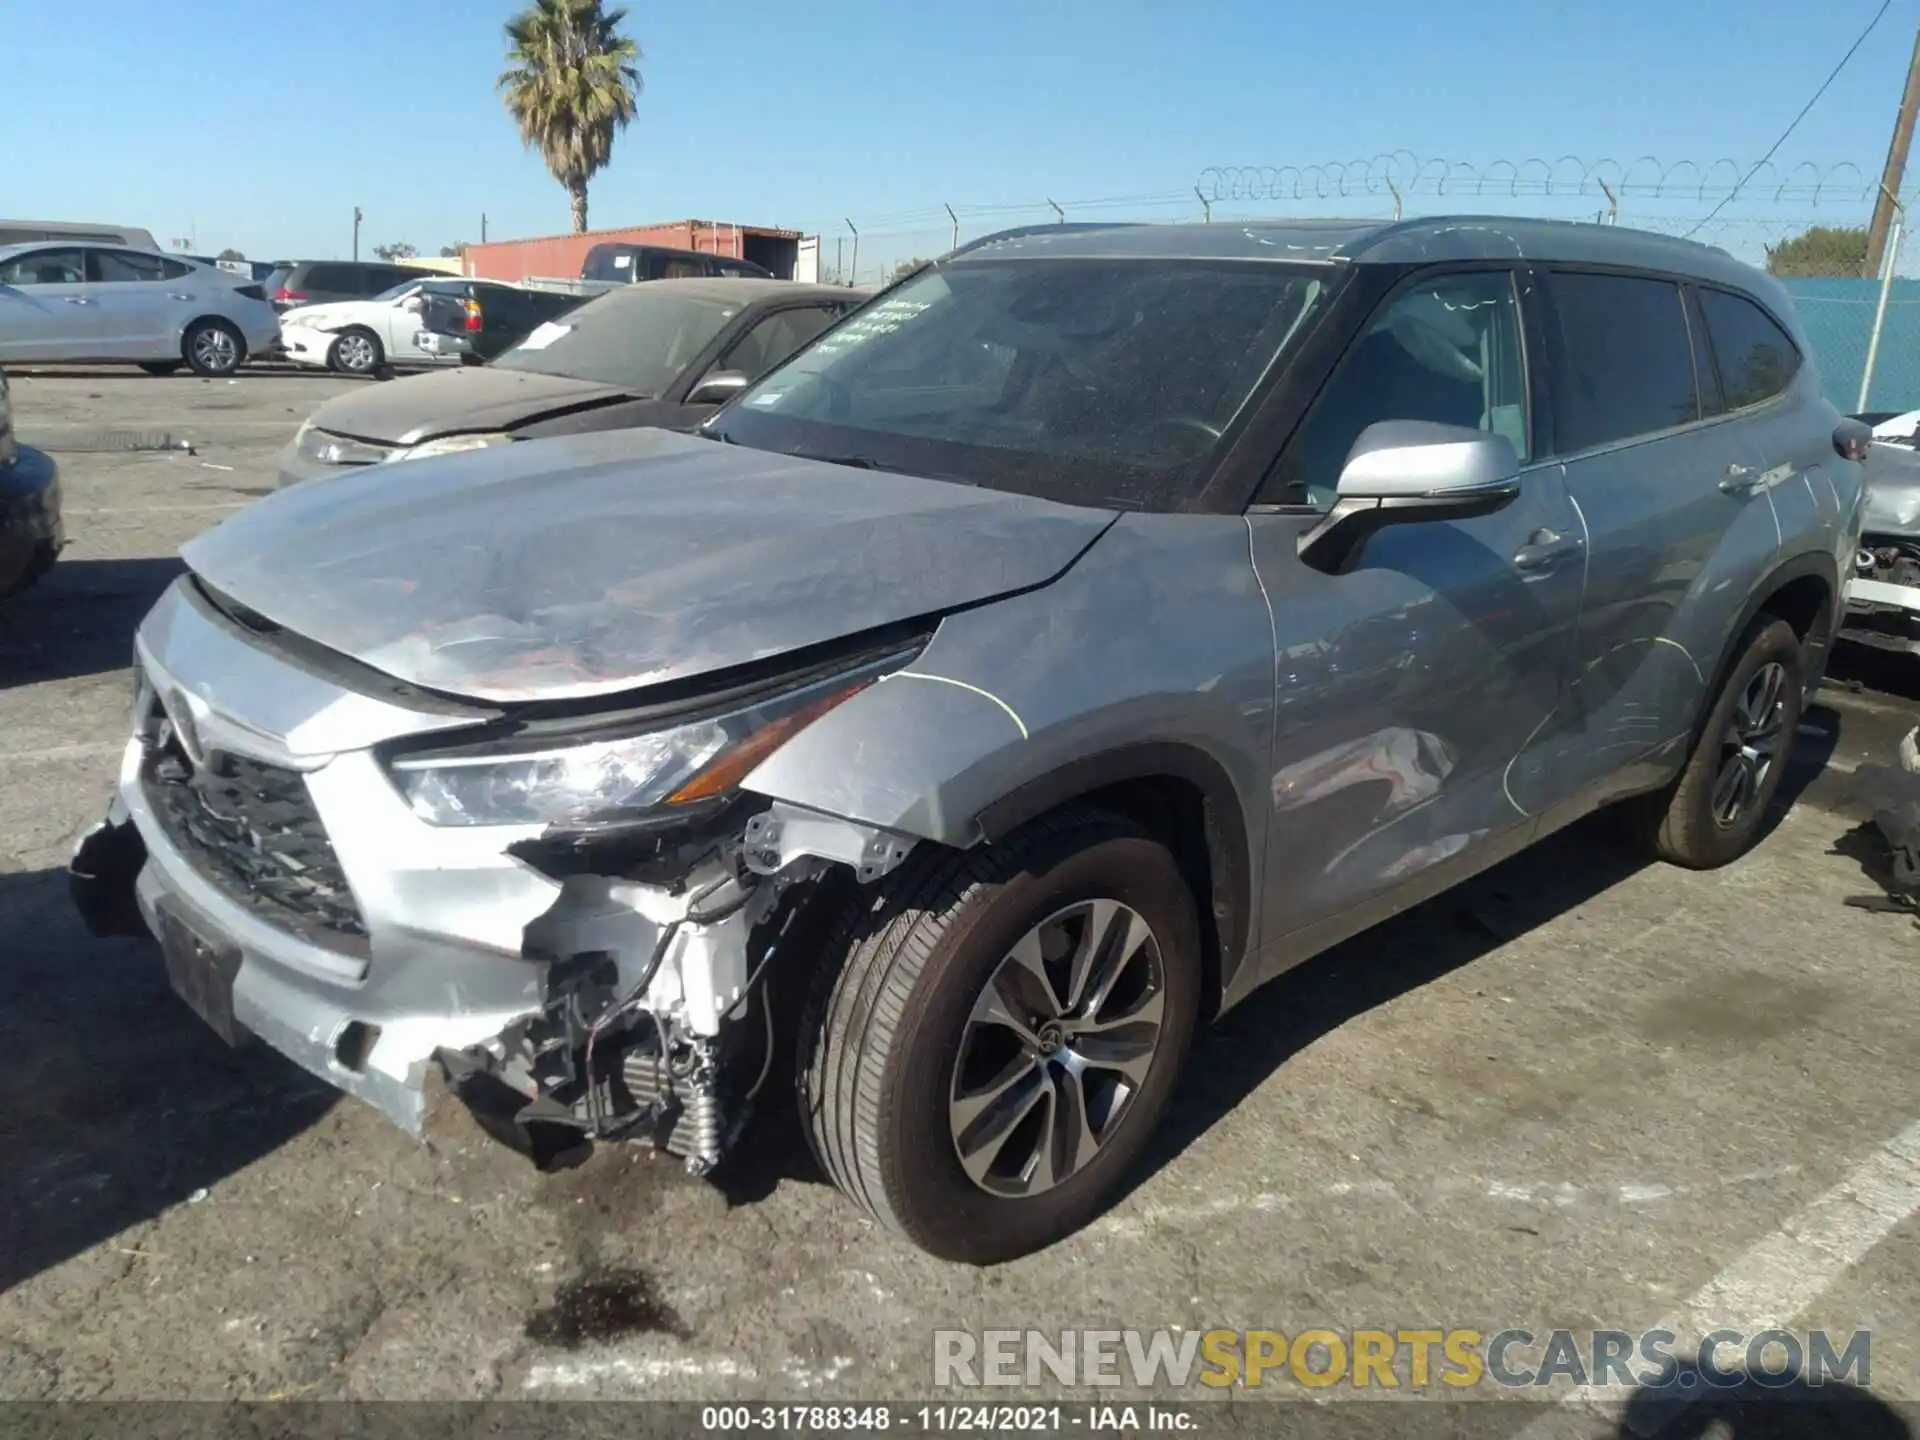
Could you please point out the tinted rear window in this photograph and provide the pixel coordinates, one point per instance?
(1626, 363)
(639, 339)
(340, 279)
(1757, 360)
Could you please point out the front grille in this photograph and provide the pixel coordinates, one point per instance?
(251, 830)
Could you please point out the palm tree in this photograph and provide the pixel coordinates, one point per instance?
(571, 85)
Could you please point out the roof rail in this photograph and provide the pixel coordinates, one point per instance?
(1020, 232)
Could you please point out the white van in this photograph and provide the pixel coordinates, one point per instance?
(21, 232)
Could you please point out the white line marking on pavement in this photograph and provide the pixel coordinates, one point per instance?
(1784, 1274)
(88, 751)
(575, 1374)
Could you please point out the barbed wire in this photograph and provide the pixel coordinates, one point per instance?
(1401, 172)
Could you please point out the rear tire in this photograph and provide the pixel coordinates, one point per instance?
(161, 367)
(213, 348)
(901, 1036)
(1712, 814)
(356, 352)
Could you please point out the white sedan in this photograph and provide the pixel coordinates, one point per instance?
(363, 337)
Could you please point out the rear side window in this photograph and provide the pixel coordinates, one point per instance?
(1757, 360)
(125, 266)
(1626, 360)
(338, 279)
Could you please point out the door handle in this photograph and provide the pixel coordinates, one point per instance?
(76, 299)
(1741, 480)
(178, 295)
(1547, 548)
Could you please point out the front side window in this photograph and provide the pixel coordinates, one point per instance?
(126, 266)
(1626, 360)
(1757, 360)
(1447, 349)
(45, 267)
(1088, 380)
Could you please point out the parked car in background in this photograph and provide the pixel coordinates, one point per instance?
(485, 319)
(666, 354)
(609, 266)
(293, 283)
(1883, 595)
(368, 337)
(1092, 628)
(24, 232)
(69, 301)
(32, 533)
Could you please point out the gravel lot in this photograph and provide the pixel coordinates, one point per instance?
(1576, 1093)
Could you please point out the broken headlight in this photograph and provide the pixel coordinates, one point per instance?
(679, 767)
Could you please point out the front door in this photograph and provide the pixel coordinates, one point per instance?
(1413, 693)
(47, 309)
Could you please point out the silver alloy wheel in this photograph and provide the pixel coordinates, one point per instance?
(355, 353)
(1056, 1047)
(214, 348)
(1750, 748)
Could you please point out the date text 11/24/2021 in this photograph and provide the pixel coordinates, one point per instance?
(950, 1419)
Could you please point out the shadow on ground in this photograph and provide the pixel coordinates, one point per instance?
(79, 618)
(116, 1102)
(1790, 1405)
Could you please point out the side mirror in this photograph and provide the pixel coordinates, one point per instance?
(1403, 472)
(717, 387)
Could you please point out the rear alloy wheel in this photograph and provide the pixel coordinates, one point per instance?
(355, 352)
(1713, 813)
(213, 348)
(995, 1034)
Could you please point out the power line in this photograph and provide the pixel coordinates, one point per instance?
(1885, 5)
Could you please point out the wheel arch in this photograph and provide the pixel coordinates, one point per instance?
(1182, 795)
(1805, 592)
(211, 318)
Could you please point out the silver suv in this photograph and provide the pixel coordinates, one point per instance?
(1091, 627)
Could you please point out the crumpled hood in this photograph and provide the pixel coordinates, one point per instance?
(473, 397)
(319, 317)
(1892, 473)
(591, 564)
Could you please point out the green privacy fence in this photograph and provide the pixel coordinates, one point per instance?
(1838, 317)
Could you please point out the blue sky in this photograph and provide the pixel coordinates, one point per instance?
(262, 126)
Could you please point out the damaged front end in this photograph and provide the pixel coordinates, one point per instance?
(1883, 595)
(658, 956)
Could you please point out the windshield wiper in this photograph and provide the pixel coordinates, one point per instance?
(856, 462)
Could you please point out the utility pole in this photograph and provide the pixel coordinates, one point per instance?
(1883, 207)
(356, 232)
(483, 227)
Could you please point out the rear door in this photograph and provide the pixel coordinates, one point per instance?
(1656, 470)
(141, 301)
(1413, 693)
(47, 309)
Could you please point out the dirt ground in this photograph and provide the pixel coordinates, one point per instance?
(1580, 1092)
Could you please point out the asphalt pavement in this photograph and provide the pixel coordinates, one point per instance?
(1580, 1092)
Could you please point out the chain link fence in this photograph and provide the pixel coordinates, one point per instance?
(1744, 210)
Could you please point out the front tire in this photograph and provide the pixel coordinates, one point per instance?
(356, 352)
(1712, 814)
(213, 348)
(994, 1037)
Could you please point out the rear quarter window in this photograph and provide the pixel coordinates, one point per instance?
(1756, 359)
(1625, 359)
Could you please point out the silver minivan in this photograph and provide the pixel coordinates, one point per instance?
(1086, 630)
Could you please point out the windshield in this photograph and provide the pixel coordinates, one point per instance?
(1097, 382)
(640, 339)
(404, 288)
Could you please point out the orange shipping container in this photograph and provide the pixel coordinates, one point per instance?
(561, 256)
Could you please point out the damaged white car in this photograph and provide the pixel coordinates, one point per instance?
(1883, 595)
